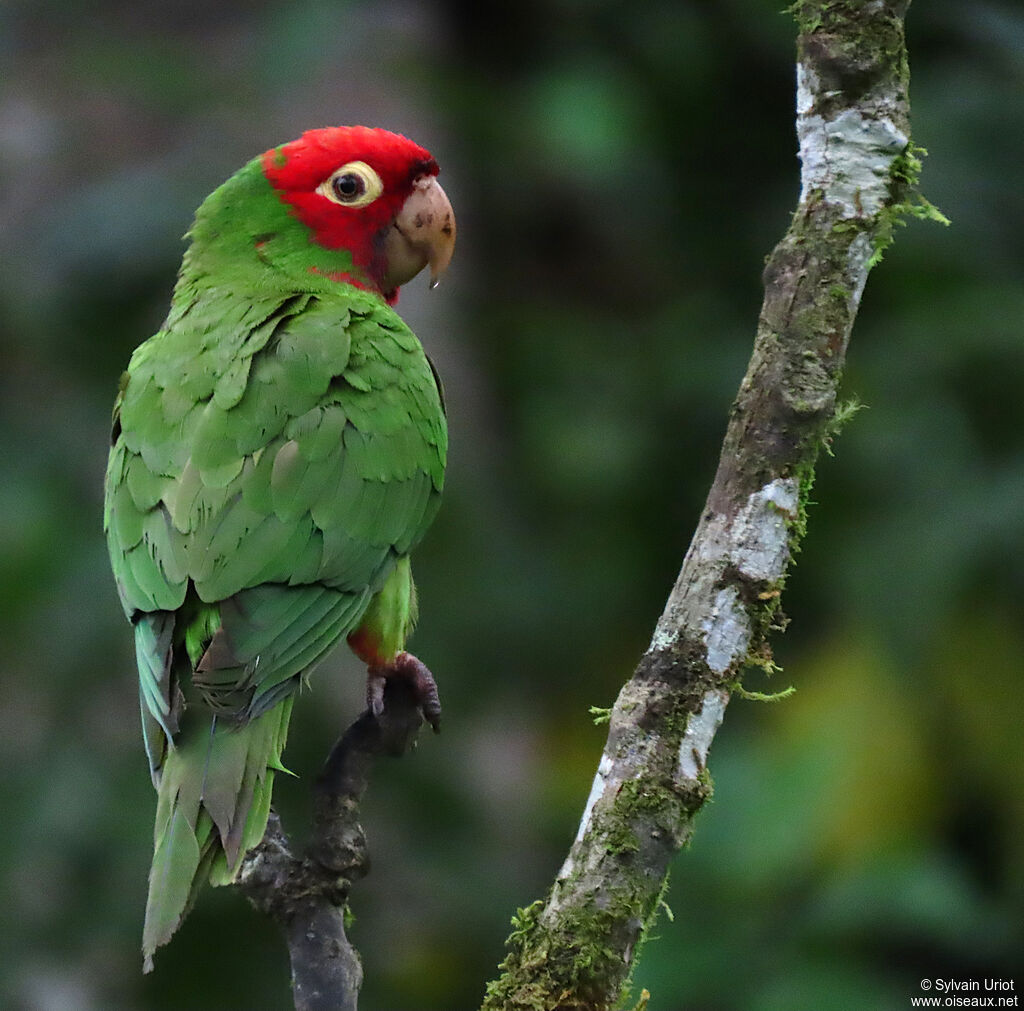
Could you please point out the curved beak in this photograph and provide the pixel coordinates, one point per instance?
(423, 234)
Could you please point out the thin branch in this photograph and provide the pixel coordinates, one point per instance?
(576, 948)
(307, 896)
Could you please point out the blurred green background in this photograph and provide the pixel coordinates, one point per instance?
(619, 172)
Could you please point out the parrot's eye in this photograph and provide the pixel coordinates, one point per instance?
(348, 187)
(353, 185)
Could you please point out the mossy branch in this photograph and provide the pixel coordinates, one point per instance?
(577, 947)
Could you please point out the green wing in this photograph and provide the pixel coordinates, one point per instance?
(297, 442)
(274, 461)
(305, 445)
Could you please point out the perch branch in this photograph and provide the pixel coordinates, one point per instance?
(576, 948)
(306, 895)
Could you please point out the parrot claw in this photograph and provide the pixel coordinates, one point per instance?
(424, 686)
(375, 693)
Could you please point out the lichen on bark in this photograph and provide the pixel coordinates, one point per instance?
(575, 949)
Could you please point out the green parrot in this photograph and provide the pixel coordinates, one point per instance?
(278, 450)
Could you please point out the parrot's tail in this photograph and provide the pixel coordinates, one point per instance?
(213, 803)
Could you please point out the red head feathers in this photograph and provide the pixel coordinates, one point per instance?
(370, 192)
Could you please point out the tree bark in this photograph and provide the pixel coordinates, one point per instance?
(307, 896)
(576, 948)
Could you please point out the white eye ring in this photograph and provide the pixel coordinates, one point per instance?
(353, 185)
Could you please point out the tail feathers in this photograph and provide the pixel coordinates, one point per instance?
(213, 803)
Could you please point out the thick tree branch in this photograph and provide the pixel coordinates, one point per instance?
(575, 949)
(306, 896)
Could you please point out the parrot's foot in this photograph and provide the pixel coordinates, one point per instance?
(405, 665)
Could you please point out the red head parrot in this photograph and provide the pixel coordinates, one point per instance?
(278, 450)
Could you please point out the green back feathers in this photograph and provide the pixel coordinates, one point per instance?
(289, 442)
(303, 442)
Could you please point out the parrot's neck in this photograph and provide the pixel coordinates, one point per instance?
(245, 237)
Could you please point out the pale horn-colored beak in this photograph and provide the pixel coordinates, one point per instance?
(423, 234)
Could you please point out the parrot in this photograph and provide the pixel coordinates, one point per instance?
(278, 449)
